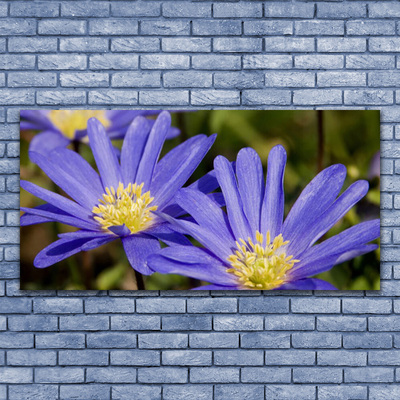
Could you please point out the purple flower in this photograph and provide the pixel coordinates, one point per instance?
(250, 246)
(120, 202)
(58, 128)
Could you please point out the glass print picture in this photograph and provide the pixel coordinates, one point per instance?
(200, 200)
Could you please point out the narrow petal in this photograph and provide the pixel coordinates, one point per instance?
(133, 147)
(274, 198)
(251, 186)
(234, 206)
(317, 196)
(37, 117)
(329, 218)
(307, 284)
(47, 141)
(167, 235)
(31, 219)
(152, 149)
(137, 249)
(120, 230)
(106, 159)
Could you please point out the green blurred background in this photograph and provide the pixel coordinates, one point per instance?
(312, 139)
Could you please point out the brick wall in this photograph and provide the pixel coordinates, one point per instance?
(243, 54)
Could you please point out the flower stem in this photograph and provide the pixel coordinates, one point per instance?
(321, 143)
(139, 281)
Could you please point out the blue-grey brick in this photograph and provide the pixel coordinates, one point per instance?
(162, 375)
(288, 44)
(290, 357)
(17, 61)
(136, 79)
(110, 375)
(319, 61)
(214, 375)
(264, 340)
(87, 392)
(179, 9)
(3, 322)
(57, 306)
(61, 61)
(237, 45)
(268, 27)
(240, 323)
(85, 9)
(164, 306)
(238, 357)
(288, 10)
(367, 28)
(342, 358)
(156, 98)
(289, 392)
(83, 79)
(59, 375)
(239, 392)
(84, 323)
(216, 62)
(370, 61)
(60, 340)
(381, 392)
(289, 79)
(111, 26)
(341, 323)
(34, 9)
(111, 340)
(193, 45)
(9, 270)
(12, 181)
(64, 97)
(8, 235)
(16, 340)
(367, 306)
(368, 97)
(344, 11)
(238, 10)
(16, 375)
(15, 305)
(342, 78)
(384, 78)
(83, 357)
(317, 375)
(262, 375)
(164, 61)
(214, 340)
(384, 357)
(110, 96)
(387, 44)
(164, 27)
(13, 151)
(114, 61)
(368, 374)
(136, 44)
(217, 27)
(315, 305)
(268, 305)
(311, 97)
(135, 9)
(320, 340)
(32, 45)
(317, 27)
(386, 323)
(61, 27)
(187, 323)
(32, 79)
(215, 97)
(136, 392)
(109, 306)
(17, 26)
(187, 79)
(3, 9)
(262, 96)
(212, 305)
(32, 323)
(289, 323)
(186, 357)
(3, 83)
(180, 392)
(135, 322)
(135, 357)
(163, 340)
(344, 392)
(341, 45)
(89, 45)
(367, 341)
(31, 357)
(384, 10)
(33, 392)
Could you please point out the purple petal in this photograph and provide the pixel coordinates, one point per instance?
(30, 219)
(120, 230)
(251, 186)
(216, 287)
(38, 118)
(137, 248)
(167, 235)
(274, 198)
(307, 284)
(234, 206)
(106, 159)
(47, 141)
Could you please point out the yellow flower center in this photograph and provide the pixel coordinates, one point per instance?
(125, 206)
(261, 267)
(70, 121)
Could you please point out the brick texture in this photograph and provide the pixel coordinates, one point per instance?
(199, 54)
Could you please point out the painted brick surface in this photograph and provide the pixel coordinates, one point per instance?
(191, 54)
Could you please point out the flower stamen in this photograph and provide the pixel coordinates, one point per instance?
(125, 206)
(261, 267)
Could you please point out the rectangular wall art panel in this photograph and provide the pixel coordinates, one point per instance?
(204, 200)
